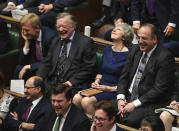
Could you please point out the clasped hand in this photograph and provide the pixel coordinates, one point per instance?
(125, 108)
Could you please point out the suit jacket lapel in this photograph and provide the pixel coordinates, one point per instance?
(150, 63)
(56, 52)
(35, 110)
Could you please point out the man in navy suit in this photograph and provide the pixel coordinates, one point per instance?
(163, 13)
(147, 79)
(33, 111)
(37, 42)
(104, 117)
(66, 117)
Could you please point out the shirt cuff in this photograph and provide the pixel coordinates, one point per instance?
(11, 3)
(136, 22)
(121, 96)
(25, 51)
(20, 7)
(172, 24)
(137, 103)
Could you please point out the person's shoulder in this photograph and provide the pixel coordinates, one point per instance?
(82, 36)
(78, 112)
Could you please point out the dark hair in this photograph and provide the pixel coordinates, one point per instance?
(152, 28)
(63, 88)
(154, 122)
(2, 79)
(107, 107)
(38, 82)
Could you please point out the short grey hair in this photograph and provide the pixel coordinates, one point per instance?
(128, 33)
(72, 18)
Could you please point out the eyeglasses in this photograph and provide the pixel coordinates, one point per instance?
(94, 118)
(63, 26)
(28, 88)
(143, 129)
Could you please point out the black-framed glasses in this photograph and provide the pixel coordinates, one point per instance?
(100, 119)
(28, 87)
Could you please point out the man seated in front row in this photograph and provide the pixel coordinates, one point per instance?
(33, 111)
(37, 42)
(147, 79)
(66, 117)
(71, 58)
(104, 117)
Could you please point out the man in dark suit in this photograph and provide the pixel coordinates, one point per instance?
(71, 58)
(33, 111)
(163, 13)
(4, 38)
(146, 81)
(37, 42)
(50, 9)
(66, 117)
(104, 117)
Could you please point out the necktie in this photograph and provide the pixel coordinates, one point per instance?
(142, 64)
(57, 124)
(25, 115)
(38, 52)
(151, 7)
(61, 61)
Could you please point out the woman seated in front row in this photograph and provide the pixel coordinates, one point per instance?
(113, 60)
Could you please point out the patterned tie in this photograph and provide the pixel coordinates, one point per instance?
(134, 94)
(57, 124)
(26, 114)
(61, 61)
(151, 7)
(38, 52)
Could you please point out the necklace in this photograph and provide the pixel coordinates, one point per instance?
(115, 48)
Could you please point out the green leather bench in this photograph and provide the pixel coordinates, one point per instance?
(14, 38)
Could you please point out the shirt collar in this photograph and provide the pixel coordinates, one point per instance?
(113, 128)
(40, 36)
(65, 115)
(150, 52)
(35, 102)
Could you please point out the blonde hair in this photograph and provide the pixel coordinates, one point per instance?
(32, 18)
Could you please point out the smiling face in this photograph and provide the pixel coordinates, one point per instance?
(60, 103)
(145, 39)
(65, 27)
(31, 92)
(101, 121)
(117, 33)
(30, 32)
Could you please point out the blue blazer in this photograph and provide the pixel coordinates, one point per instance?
(47, 36)
(39, 115)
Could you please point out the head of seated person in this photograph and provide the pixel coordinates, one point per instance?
(152, 123)
(30, 25)
(104, 116)
(122, 34)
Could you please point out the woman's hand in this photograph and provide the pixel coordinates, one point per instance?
(106, 88)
